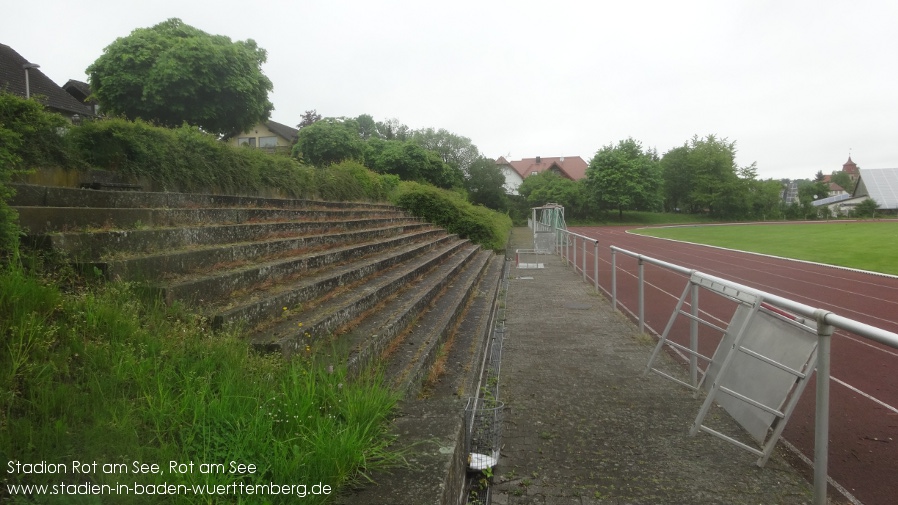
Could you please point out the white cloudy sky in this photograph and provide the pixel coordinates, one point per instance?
(795, 83)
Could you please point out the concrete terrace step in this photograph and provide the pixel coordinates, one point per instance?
(252, 309)
(368, 340)
(430, 429)
(219, 256)
(410, 363)
(29, 195)
(98, 244)
(37, 220)
(305, 328)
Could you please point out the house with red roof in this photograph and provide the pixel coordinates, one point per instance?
(569, 167)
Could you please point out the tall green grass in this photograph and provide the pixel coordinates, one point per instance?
(863, 245)
(108, 376)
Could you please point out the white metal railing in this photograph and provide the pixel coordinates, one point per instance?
(826, 323)
(567, 243)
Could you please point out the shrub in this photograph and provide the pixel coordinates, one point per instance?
(188, 159)
(451, 211)
(29, 137)
(356, 182)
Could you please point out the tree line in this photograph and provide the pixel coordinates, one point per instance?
(699, 177)
(174, 74)
(435, 156)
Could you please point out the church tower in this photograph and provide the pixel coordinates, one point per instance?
(851, 169)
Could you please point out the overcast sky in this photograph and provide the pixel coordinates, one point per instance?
(796, 84)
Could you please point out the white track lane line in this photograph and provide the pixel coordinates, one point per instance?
(848, 496)
(865, 395)
(862, 342)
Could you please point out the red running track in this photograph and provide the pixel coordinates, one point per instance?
(863, 450)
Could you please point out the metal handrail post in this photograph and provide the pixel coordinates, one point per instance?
(821, 419)
(693, 337)
(566, 248)
(574, 246)
(641, 296)
(613, 279)
(584, 260)
(595, 252)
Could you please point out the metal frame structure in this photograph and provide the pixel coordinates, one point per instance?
(762, 375)
(826, 323)
(808, 317)
(548, 224)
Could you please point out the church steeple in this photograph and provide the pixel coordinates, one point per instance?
(851, 168)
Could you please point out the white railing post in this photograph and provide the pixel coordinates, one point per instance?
(574, 246)
(595, 252)
(641, 296)
(821, 419)
(613, 279)
(566, 248)
(693, 336)
(584, 259)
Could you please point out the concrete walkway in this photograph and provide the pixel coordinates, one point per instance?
(582, 424)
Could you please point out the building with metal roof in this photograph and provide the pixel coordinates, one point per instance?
(880, 184)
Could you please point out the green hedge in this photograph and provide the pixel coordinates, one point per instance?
(185, 159)
(188, 159)
(451, 211)
(29, 136)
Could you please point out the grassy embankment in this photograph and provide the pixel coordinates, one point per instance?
(863, 245)
(103, 375)
(98, 373)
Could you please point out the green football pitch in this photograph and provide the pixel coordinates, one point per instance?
(864, 245)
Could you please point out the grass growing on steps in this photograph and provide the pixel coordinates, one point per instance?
(105, 376)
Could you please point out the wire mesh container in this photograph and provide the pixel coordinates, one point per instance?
(490, 387)
(483, 432)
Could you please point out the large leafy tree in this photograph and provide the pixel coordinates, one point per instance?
(173, 73)
(549, 187)
(713, 166)
(393, 129)
(766, 199)
(677, 179)
(329, 140)
(455, 150)
(702, 176)
(485, 184)
(625, 176)
(410, 162)
(309, 117)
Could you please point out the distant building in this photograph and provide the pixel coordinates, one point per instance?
(835, 193)
(834, 189)
(270, 135)
(790, 192)
(880, 184)
(851, 169)
(81, 91)
(21, 77)
(569, 167)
